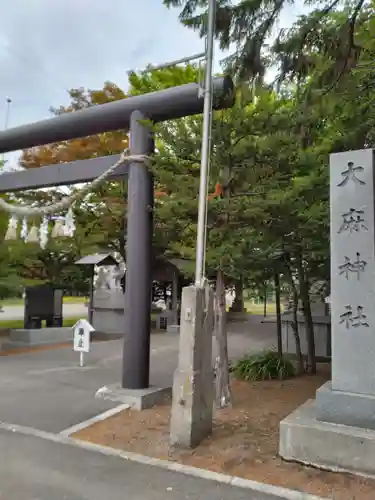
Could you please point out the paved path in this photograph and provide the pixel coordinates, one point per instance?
(38, 469)
(48, 391)
(69, 311)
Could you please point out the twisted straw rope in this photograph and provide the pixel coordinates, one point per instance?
(67, 201)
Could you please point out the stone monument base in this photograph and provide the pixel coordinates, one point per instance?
(173, 329)
(139, 399)
(345, 408)
(108, 312)
(330, 446)
(39, 336)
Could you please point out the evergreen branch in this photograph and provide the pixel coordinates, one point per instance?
(351, 45)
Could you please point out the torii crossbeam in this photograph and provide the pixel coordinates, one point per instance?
(127, 114)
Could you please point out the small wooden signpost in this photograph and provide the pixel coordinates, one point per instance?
(81, 338)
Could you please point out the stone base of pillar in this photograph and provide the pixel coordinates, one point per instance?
(345, 408)
(329, 446)
(193, 390)
(138, 399)
(173, 329)
(192, 410)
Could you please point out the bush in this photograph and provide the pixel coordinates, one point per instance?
(264, 366)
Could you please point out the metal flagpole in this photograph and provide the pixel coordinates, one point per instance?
(205, 154)
(8, 101)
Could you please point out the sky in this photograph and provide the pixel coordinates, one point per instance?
(50, 46)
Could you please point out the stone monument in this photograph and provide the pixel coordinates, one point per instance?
(337, 430)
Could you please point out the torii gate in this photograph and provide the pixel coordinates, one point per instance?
(176, 102)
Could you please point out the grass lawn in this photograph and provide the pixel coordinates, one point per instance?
(66, 300)
(259, 308)
(18, 323)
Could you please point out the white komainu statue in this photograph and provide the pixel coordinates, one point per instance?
(109, 278)
(102, 281)
(118, 274)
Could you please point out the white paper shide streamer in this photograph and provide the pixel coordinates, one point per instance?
(43, 233)
(11, 233)
(70, 227)
(24, 229)
(64, 226)
(33, 235)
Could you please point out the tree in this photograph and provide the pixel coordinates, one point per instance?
(103, 211)
(261, 188)
(234, 138)
(55, 263)
(10, 280)
(248, 26)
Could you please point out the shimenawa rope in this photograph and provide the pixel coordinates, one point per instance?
(67, 201)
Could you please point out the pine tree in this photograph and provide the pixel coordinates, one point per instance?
(332, 28)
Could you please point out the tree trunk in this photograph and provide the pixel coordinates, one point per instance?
(265, 302)
(300, 362)
(278, 316)
(223, 391)
(305, 299)
(238, 303)
(297, 339)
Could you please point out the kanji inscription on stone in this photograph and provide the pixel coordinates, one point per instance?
(353, 318)
(353, 221)
(355, 267)
(350, 174)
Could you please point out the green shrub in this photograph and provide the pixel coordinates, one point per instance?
(263, 366)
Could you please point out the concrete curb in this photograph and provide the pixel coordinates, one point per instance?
(276, 491)
(98, 418)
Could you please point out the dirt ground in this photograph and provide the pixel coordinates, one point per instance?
(244, 441)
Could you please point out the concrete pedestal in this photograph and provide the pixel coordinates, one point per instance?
(108, 312)
(40, 336)
(307, 440)
(139, 399)
(345, 408)
(173, 329)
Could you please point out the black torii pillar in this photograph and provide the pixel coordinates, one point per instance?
(136, 356)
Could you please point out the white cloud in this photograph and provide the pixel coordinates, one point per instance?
(49, 46)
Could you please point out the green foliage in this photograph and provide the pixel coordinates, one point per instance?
(274, 181)
(270, 155)
(328, 28)
(264, 366)
(10, 281)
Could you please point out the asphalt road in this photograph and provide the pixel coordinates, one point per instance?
(69, 311)
(48, 390)
(32, 468)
